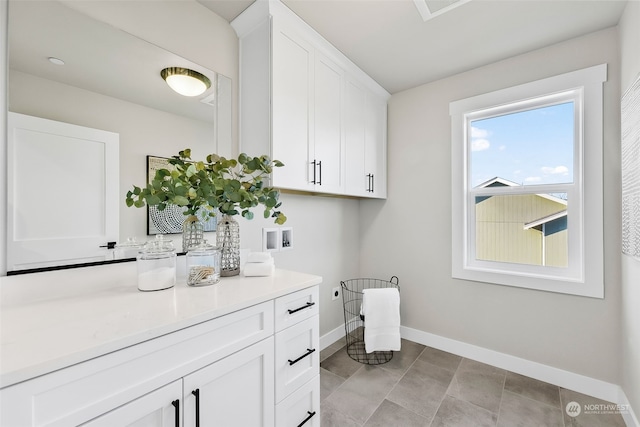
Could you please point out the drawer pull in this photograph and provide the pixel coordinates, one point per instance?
(311, 414)
(309, 304)
(309, 351)
(196, 393)
(176, 404)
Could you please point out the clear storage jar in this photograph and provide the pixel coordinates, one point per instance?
(203, 265)
(157, 265)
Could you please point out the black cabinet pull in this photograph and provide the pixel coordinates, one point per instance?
(196, 393)
(320, 175)
(309, 351)
(368, 183)
(372, 183)
(311, 414)
(309, 304)
(176, 404)
(314, 172)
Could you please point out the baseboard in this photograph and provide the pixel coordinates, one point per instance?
(332, 336)
(629, 416)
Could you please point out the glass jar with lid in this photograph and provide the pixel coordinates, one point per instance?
(157, 265)
(203, 265)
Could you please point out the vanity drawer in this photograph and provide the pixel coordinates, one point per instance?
(301, 408)
(293, 308)
(297, 356)
(76, 394)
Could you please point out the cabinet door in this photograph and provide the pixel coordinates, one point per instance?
(375, 151)
(160, 408)
(236, 391)
(327, 134)
(357, 181)
(292, 91)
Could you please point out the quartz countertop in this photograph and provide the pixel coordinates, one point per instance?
(52, 320)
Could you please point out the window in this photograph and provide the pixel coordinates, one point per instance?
(527, 185)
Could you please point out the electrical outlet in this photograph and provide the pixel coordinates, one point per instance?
(335, 293)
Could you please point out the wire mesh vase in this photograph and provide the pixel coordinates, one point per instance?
(228, 241)
(192, 233)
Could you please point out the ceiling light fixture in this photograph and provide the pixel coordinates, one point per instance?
(185, 81)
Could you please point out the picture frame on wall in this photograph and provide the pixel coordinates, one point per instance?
(630, 127)
(169, 220)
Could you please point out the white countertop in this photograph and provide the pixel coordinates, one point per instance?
(52, 320)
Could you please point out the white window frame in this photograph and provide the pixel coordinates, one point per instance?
(585, 273)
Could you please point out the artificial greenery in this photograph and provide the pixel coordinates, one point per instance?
(226, 185)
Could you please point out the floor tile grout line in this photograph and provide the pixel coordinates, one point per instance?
(504, 384)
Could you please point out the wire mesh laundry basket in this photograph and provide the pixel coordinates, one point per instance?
(354, 321)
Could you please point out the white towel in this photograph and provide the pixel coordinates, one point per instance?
(259, 257)
(258, 269)
(381, 309)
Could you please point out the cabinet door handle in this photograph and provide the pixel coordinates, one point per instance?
(176, 404)
(372, 183)
(320, 174)
(196, 393)
(311, 414)
(368, 182)
(309, 351)
(309, 304)
(313, 181)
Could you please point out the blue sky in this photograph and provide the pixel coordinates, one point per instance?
(529, 148)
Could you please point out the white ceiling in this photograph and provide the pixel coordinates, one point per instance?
(389, 40)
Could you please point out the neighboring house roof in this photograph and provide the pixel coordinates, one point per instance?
(501, 182)
(545, 220)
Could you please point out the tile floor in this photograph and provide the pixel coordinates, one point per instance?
(422, 386)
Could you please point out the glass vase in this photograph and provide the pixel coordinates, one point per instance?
(228, 241)
(192, 233)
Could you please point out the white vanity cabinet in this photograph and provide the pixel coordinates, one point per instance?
(295, 105)
(221, 368)
(297, 359)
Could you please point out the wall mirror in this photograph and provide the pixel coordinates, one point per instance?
(110, 81)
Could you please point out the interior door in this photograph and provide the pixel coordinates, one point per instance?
(62, 192)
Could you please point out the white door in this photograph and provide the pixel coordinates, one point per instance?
(327, 124)
(62, 192)
(236, 391)
(292, 91)
(160, 408)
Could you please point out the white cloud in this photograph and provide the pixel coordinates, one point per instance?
(479, 133)
(533, 179)
(479, 144)
(558, 170)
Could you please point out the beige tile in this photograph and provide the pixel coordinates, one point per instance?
(478, 383)
(533, 389)
(360, 395)
(593, 412)
(459, 413)
(329, 382)
(519, 411)
(341, 364)
(441, 358)
(390, 414)
(331, 417)
(404, 358)
(422, 388)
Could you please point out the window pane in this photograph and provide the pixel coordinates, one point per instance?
(522, 229)
(526, 148)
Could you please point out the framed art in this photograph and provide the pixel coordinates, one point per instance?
(169, 220)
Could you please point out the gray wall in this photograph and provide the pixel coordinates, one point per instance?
(630, 328)
(410, 234)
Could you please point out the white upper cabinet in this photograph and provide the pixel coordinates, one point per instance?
(297, 105)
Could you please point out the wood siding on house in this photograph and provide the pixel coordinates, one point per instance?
(501, 235)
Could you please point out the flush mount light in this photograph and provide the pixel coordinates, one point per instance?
(56, 61)
(185, 81)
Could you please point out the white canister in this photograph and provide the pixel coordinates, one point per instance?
(157, 265)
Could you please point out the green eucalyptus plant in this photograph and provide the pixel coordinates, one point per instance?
(229, 186)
